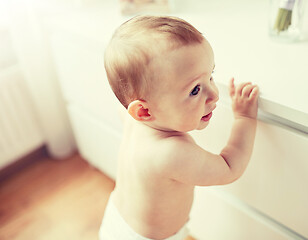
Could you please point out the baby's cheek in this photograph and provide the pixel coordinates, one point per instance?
(185, 124)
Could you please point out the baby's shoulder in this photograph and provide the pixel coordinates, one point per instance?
(173, 143)
(176, 140)
(172, 147)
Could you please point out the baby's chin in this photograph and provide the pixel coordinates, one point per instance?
(202, 126)
(182, 129)
(199, 127)
(193, 127)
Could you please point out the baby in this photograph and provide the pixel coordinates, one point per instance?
(160, 69)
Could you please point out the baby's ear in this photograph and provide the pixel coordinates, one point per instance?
(139, 110)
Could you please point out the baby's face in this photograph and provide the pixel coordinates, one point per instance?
(185, 95)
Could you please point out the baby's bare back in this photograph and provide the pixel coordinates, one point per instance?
(154, 205)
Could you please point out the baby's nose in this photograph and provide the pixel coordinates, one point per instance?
(213, 96)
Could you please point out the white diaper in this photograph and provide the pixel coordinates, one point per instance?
(114, 227)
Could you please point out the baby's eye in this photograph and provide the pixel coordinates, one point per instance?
(195, 91)
(212, 78)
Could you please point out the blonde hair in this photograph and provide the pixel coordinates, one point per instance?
(133, 46)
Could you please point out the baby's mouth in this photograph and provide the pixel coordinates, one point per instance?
(207, 117)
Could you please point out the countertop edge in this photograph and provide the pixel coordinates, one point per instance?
(273, 112)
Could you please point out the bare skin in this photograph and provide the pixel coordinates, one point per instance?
(159, 162)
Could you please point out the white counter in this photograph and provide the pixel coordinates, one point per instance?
(238, 34)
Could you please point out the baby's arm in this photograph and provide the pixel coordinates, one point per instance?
(188, 163)
(239, 147)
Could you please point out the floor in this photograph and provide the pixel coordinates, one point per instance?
(54, 200)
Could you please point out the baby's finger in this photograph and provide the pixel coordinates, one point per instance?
(231, 87)
(240, 87)
(254, 93)
(247, 90)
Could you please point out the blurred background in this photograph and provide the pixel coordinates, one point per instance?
(55, 97)
(51, 63)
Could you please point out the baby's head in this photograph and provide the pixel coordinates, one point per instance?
(150, 62)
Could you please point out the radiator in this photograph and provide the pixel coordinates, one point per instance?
(19, 130)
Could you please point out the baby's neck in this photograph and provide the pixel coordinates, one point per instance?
(159, 131)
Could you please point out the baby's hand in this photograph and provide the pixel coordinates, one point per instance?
(244, 99)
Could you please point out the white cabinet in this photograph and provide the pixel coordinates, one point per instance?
(275, 181)
(80, 66)
(92, 107)
(215, 217)
(97, 141)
